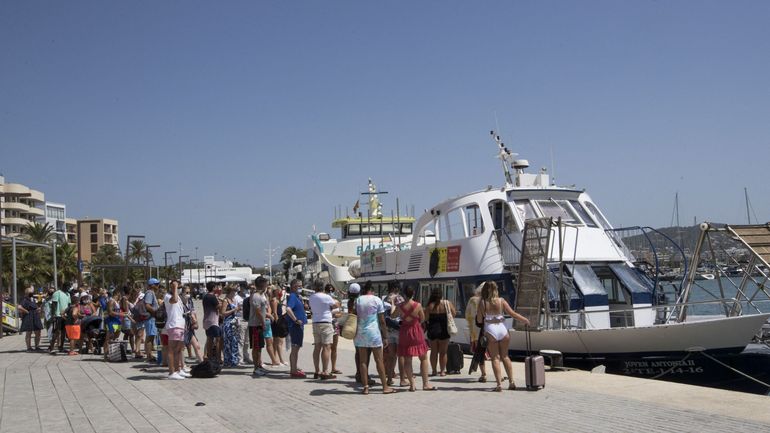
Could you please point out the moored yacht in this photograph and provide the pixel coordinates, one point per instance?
(559, 262)
(359, 233)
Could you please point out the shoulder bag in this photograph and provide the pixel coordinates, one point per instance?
(350, 327)
(450, 320)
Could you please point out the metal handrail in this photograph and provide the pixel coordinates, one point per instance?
(583, 312)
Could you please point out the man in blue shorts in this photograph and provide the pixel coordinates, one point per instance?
(150, 302)
(295, 309)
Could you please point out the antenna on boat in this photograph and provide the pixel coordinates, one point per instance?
(553, 168)
(505, 156)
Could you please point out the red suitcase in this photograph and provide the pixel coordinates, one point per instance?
(534, 367)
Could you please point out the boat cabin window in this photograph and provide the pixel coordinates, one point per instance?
(525, 209)
(448, 290)
(582, 213)
(598, 216)
(473, 221)
(502, 216)
(352, 230)
(451, 226)
(558, 208)
(376, 228)
(594, 293)
(567, 298)
(616, 292)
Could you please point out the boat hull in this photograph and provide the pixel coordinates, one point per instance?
(719, 336)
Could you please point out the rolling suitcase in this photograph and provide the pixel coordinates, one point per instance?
(534, 367)
(454, 362)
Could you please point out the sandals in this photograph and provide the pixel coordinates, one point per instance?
(335, 371)
(512, 386)
(325, 376)
(483, 379)
(498, 388)
(442, 374)
(430, 388)
(365, 391)
(390, 391)
(412, 389)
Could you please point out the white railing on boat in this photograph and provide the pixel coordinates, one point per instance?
(663, 313)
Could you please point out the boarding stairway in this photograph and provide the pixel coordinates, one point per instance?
(756, 238)
(533, 269)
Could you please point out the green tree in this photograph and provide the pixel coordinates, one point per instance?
(37, 232)
(67, 262)
(286, 257)
(106, 255)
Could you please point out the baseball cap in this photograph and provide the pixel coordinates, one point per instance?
(153, 282)
(354, 289)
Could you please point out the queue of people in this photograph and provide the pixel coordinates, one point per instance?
(238, 324)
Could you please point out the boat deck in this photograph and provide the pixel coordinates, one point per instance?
(81, 393)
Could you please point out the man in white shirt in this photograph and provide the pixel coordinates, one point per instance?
(321, 305)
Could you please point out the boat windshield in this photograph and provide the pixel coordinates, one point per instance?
(583, 213)
(558, 209)
(595, 212)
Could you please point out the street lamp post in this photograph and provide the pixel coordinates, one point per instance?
(2, 292)
(270, 253)
(165, 263)
(181, 271)
(147, 272)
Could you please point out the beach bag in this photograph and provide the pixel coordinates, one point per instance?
(206, 370)
(73, 332)
(280, 327)
(450, 320)
(350, 327)
(140, 311)
(117, 351)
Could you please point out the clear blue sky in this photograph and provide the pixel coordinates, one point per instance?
(228, 125)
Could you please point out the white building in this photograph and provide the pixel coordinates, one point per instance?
(56, 217)
(218, 271)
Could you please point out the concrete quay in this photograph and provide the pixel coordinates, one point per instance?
(44, 393)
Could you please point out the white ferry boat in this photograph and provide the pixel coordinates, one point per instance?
(558, 261)
(338, 260)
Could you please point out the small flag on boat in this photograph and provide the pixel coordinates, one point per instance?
(357, 206)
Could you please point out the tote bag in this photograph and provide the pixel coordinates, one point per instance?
(450, 320)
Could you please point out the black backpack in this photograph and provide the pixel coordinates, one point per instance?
(206, 369)
(247, 308)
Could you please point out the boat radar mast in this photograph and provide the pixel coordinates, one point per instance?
(508, 160)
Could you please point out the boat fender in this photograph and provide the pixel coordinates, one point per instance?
(433, 264)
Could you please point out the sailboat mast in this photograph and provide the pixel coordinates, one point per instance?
(746, 195)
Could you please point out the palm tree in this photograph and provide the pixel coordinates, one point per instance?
(137, 252)
(67, 262)
(33, 266)
(107, 255)
(37, 232)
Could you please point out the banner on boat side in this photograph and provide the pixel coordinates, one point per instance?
(373, 262)
(448, 258)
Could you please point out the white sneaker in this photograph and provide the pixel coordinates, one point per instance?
(186, 370)
(184, 374)
(175, 376)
